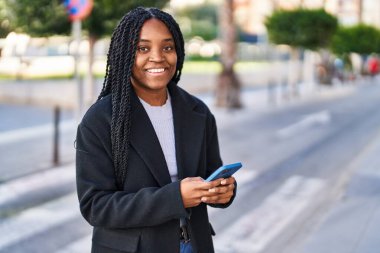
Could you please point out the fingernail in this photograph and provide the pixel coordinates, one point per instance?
(212, 190)
(204, 199)
(224, 182)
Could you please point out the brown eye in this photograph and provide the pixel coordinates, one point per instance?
(168, 48)
(142, 49)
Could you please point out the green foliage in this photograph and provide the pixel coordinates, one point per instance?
(306, 28)
(361, 39)
(39, 17)
(5, 23)
(200, 20)
(48, 17)
(106, 14)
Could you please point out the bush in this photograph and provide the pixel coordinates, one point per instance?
(361, 39)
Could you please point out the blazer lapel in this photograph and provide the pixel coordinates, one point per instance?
(144, 140)
(189, 129)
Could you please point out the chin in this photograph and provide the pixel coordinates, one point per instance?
(158, 85)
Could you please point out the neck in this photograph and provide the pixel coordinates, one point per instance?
(156, 98)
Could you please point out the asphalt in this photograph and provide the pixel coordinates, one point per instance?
(352, 224)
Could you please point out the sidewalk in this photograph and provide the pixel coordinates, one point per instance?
(352, 225)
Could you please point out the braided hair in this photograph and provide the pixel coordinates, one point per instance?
(117, 81)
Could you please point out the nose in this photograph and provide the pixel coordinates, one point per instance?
(156, 56)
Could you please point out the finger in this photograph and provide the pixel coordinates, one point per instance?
(207, 185)
(220, 189)
(231, 187)
(228, 194)
(216, 182)
(203, 193)
(186, 179)
(217, 200)
(223, 201)
(227, 181)
(194, 179)
(207, 193)
(197, 201)
(199, 193)
(211, 199)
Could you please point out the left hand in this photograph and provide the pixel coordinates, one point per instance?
(222, 193)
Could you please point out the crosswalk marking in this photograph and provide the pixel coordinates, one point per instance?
(322, 117)
(254, 231)
(38, 219)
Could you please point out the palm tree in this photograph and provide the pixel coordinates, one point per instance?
(359, 4)
(228, 86)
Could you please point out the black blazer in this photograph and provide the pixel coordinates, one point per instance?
(144, 216)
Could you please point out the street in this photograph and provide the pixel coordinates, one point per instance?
(304, 157)
(309, 182)
(26, 139)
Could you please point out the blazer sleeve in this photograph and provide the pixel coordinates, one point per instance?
(213, 156)
(101, 204)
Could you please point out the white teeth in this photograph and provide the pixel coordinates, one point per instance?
(156, 70)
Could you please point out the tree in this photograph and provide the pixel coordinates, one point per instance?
(228, 86)
(5, 24)
(48, 17)
(303, 29)
(39, 17)
(361, 39)
(198, 20)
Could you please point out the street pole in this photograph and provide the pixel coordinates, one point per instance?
(57, 117)
(76, 30)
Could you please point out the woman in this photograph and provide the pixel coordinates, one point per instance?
(145, 145)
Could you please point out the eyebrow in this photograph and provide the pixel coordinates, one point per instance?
(164, 40)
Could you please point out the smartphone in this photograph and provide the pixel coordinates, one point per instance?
(224, 172)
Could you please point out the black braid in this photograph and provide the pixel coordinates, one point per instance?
(117, 80)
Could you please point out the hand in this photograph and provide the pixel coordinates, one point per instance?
(193, 189)
(222, 193)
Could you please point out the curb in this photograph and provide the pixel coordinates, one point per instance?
(24, 192)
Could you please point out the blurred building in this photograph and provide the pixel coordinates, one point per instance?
(25, 57)
(251, 14)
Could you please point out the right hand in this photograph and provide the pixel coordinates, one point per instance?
(194, 188)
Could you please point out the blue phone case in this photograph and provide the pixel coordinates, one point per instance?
(224, 171)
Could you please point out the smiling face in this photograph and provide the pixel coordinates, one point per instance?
(155, 62)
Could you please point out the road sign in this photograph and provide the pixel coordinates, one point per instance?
(78, 9)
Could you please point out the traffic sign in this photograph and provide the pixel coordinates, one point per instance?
(78, 9)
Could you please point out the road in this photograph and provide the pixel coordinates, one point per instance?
(26, 139)
(306, 164)
(304, 156)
